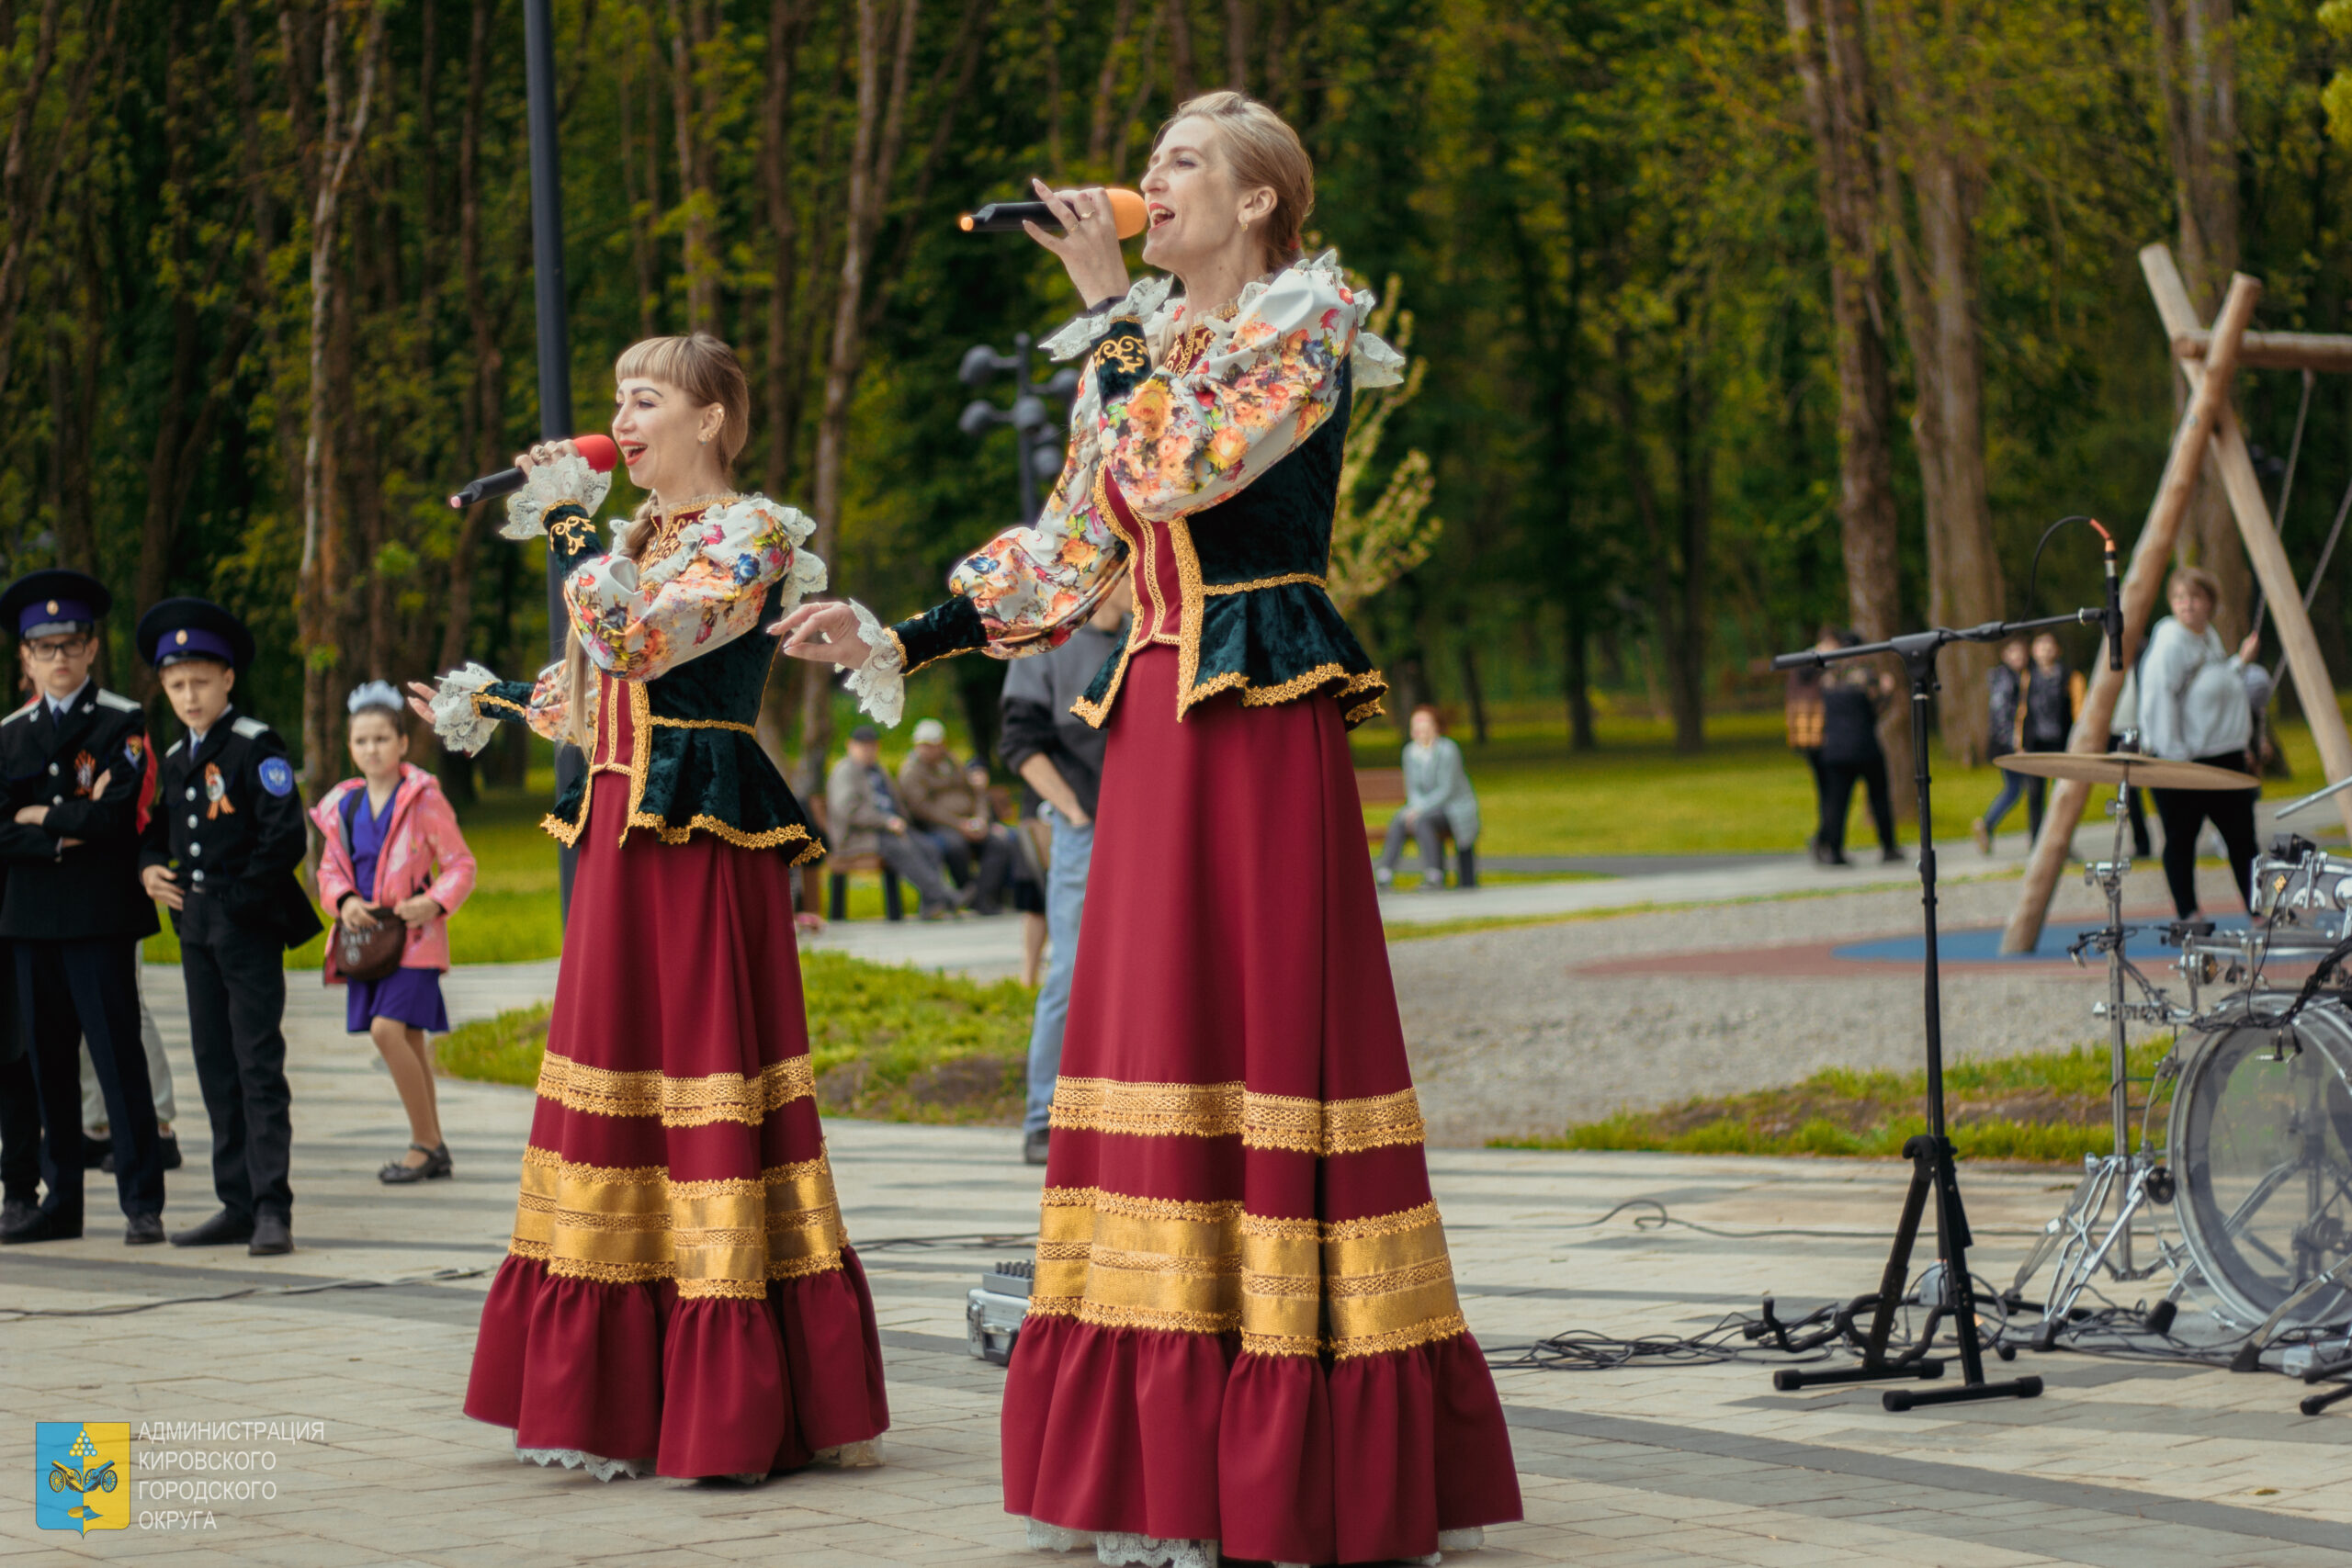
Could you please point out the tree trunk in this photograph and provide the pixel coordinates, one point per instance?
(874, 155)
(641, 204)
(1106, 85)
(320, 569)
(694, 194)
(1240, 20)
(1180, 49)
(1578, 678)
(484, 425)
(1833, 72)
(2195, 77)
(1473, 693)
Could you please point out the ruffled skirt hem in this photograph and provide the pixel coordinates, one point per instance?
(1146, 1435)
(620, 1379)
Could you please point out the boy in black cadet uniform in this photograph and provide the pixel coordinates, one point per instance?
(228, 817)
(78, 776)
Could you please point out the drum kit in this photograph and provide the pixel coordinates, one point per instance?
(2255, 1159)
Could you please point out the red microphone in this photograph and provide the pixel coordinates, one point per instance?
(598, 449)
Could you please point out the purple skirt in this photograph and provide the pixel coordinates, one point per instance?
(407, 996)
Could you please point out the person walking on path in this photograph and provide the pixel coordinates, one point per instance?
(81, 781)
(2193, 708)
(2052, 696)
(1244, 1336)
(1059, 755)
(393, 852)
(1438, 802)
(1852, 699)
(680, 1296)
(221, 852)
(2003, 690)
(867, 818)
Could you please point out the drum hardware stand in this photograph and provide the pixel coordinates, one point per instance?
(2249, 1356)
(2131, 1178)
(1933, 1170)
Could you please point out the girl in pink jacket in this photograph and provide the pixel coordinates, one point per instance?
(392, 842)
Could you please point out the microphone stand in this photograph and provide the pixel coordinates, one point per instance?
(1933, 1170)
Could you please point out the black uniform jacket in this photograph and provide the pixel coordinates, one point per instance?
(91, 890)
(229, 821)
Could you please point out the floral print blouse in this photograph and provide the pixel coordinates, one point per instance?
(1200, 428)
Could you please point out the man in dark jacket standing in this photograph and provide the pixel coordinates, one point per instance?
(220, 853)
(1059, 756)
(79, 778)
(1850, 699)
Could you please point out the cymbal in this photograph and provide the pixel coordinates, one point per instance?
(2125, 767)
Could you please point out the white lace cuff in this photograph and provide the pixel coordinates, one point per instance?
(456, 719)
(567, 481)
(880, 684)
(808, 576)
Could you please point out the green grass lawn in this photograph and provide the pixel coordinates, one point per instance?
(895, 1044)
(1638, 795)
(2047, 1106)
(1746, 792)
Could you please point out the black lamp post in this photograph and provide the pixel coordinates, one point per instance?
(1039, 426)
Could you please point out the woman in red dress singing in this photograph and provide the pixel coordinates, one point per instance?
(679, 1295)
(1244, 1334)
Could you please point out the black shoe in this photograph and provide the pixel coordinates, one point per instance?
(223, 1229)
(1889, 856)
(1032, 1147)
(400, 1173)
(272, 1235)
(46, 1225)
(142, 1230)
(171, 1142)
(15, 1212)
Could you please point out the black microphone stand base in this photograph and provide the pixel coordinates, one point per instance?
(1933, 1171)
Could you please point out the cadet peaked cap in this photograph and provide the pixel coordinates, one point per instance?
(53, 603)
(194, 628)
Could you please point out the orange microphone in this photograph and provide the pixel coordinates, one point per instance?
(1006, 217)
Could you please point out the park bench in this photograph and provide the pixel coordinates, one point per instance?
(838, 868)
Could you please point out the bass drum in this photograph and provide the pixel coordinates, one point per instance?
(2261, 1142)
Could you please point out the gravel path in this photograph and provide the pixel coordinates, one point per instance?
(1506, 1040)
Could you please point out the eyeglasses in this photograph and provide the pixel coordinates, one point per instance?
(46, 652)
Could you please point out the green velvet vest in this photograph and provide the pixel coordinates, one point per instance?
(685, 741)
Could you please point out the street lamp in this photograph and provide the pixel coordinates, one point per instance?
(1038, 431)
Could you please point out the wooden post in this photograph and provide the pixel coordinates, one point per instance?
(2150, 563)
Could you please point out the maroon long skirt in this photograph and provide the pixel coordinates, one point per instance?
(1245, 1327)
(679, 1289)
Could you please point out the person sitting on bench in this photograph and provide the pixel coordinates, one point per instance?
(866, 819)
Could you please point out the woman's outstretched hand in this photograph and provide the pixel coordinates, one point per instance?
(543, 452)
(1089, 243)
(822, 634)
(421, 696)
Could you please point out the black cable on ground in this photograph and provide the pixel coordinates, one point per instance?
(124, 1309)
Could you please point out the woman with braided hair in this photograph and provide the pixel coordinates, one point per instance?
(679, 1295)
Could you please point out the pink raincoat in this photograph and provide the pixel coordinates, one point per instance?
(421, 838)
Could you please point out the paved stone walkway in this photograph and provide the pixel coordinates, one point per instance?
(2123, 1465)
